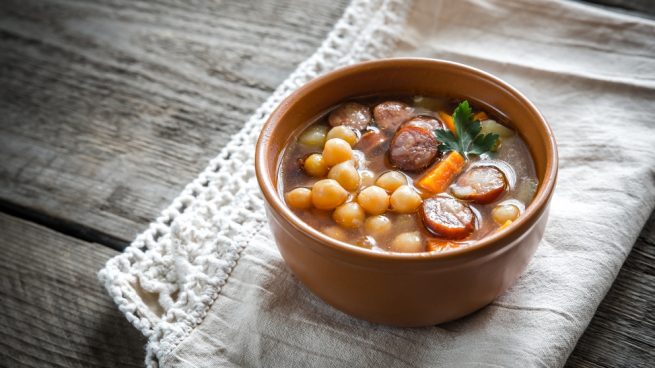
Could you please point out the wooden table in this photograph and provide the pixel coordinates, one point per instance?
(108, 108)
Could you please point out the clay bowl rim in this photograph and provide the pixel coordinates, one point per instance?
(486, 245)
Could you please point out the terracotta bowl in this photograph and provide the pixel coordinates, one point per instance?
(399, 289)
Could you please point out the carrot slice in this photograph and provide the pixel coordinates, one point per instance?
(438, 245)
(439, 176)
(450, 123)
(480, 116)
(448, 120)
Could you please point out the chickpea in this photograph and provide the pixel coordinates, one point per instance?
(407, 243)
(377, 225)
(505, 212)
(346, 174)
(335, 232)
(374, 200)
(367, 178)
(314, 165)
(336, 150)
(365, 242)
(405, 199)
(327, 194)
(349, 215)
(344, 132)
(391, 180)
(300, 198)
(314, 136)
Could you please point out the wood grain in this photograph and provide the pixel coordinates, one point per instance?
(53, 311)
(108, 108)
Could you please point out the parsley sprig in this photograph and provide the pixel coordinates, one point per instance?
(468, 140)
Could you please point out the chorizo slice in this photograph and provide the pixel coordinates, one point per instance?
(390, 115)
(413, 148)
(480, 184)
(425, 122)
(447, 217)
(351, 114)
(371, 142)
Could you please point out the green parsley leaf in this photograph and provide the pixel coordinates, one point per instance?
(468, 141)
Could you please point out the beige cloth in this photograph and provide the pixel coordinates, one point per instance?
(592, 74)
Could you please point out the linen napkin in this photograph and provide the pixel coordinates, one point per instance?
(208, 287)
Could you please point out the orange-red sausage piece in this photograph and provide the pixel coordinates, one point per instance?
(480, 184)
(447, 217)
(351, 114)
(371, 142)
(390, 115)
(426, 122)
(413, 148)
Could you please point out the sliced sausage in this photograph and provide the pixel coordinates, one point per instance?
(480, 184)
(447, 217)
(371, 142)
(351, 114)
(413, 148)
(426, 122)
(390, 115)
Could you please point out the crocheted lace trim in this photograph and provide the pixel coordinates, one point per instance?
(169, 276)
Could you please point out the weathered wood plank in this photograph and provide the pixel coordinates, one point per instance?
(622, 333)
(107, 109)
(53, 311)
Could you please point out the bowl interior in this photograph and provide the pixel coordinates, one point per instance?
(409, 76)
